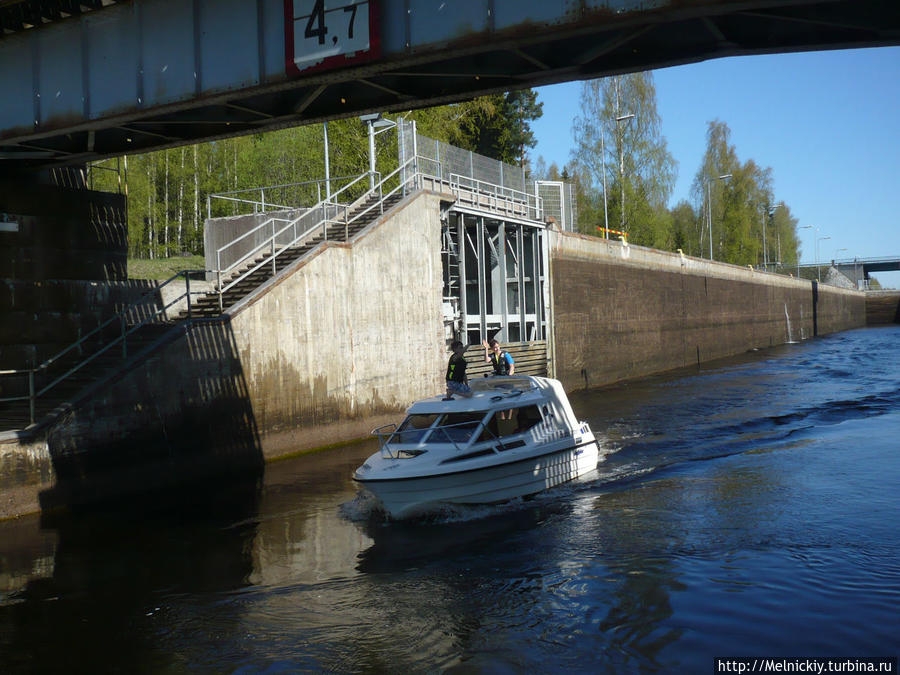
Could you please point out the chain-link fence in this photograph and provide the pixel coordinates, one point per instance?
(470, 172)
(558, 199)
(444, 161)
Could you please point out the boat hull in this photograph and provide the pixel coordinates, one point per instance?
(412, 496)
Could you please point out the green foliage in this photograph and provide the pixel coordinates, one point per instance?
(168, 191)
(619, 144)
(497, 126)
(163, 268)
(736, 200)
(685, 231)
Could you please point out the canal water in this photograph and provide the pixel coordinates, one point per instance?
(748, 508)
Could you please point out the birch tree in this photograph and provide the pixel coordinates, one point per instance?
(618, 142)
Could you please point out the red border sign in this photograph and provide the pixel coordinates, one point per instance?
(327, 34)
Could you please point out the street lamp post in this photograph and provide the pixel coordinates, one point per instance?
(327, 162)
(818, 272)
(621, 142)
(804, 227)
(376, 124)
(709, 208)
(768, 212)
(603, 164)
(765, 254)
(622, 162)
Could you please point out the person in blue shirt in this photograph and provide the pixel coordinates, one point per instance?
(502, 361)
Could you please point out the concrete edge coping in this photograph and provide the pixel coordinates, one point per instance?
(681, 262)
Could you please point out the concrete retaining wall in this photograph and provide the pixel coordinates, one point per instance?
(61, 248)
(352, 337)
(882, 307)
(623, 311)
(62, 233)
(348, 338)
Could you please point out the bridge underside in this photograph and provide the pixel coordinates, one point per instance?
(540, 44)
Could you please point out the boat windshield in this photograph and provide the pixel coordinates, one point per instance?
(414, 428)
(456, 428)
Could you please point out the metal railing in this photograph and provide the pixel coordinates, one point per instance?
(261, 205)
(495, 197)
(851, 261)
(329, 209)
(125, 329)
(329, 212)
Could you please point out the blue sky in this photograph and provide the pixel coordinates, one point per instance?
(827, 123)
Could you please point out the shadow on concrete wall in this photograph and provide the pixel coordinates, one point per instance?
(179, 417)
(65, 327)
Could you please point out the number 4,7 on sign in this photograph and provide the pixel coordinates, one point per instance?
(327, 33)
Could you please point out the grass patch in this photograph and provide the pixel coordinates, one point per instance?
(161, 269)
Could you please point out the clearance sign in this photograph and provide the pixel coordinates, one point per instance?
(325, 34)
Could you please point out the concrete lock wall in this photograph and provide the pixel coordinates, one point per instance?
(621, 311)
(882, 307)
(54, 232)
(345, 340)
(62, 250)
(352, 337)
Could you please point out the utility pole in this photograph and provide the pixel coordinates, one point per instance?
(603, 164)
(621, 143)
(327, 163)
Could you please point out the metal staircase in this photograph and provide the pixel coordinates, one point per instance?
(30, 398)
(265, 266)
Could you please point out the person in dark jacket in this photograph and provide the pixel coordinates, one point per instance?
(457, 382)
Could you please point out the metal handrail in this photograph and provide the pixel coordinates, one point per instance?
(275, 250)
(848, 261)
(34, 392)
(331, 209)
(262, 203)
(321, 204)
(457, 182)
(412, 180)
(328, 201)
(511, 196)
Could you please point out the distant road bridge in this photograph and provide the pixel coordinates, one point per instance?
(859, 269)
(88, 79)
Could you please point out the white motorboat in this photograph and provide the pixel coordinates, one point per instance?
(515, 436)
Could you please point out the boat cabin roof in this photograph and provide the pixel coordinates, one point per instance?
(490, 393)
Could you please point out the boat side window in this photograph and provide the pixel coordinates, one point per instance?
(456, 427)
(528, 417)
(520, 420)
(413, 428)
